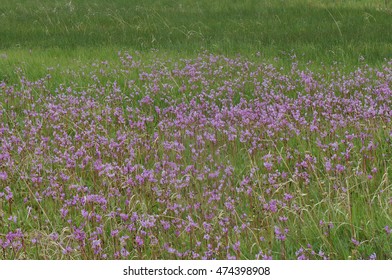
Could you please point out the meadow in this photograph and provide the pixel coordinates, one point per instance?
(195, 129)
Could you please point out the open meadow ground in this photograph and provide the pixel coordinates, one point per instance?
(195, 129)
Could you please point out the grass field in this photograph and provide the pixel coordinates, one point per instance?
(195, 129)
(37, 34)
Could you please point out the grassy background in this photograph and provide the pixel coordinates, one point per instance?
(35, 34)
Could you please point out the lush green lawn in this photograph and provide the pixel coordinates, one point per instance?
(35, 34)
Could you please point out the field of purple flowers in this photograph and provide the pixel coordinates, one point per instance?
(206, 158)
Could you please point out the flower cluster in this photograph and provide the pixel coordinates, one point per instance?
(206, 158)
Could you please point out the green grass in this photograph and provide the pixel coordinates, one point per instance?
(36, 34)
(64, 38)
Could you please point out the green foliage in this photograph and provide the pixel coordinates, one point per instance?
(321, 30)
